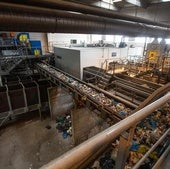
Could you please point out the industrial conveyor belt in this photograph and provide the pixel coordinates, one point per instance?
(149, 84)
(130, 89)
(98, 98)
(140, 87)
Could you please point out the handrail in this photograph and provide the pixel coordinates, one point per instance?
(79, 155)
(160, 160)
(100, 71)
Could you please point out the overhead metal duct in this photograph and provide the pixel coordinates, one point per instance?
(36, 19)
(82, 8)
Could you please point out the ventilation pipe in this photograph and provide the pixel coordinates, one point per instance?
(86, 9)
(36, 19)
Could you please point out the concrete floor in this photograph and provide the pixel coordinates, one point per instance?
(86, 124)
(30, 145)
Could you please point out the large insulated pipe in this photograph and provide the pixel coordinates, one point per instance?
(79, 155)
(40, 20)
(86, 9)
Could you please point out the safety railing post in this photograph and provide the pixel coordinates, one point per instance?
(123, 150)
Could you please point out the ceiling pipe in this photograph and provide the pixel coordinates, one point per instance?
(82, 8)
(66, 22)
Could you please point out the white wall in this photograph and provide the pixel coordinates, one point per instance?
(97, 56)
(61, 39)
(75, 59)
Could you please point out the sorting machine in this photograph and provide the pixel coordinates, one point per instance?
(117, 109)
(102, 143)
(10, 63)
(18, 98)
(131, 89)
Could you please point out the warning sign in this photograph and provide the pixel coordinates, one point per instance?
(152, 55)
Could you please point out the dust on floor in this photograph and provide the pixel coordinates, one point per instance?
(30, 145)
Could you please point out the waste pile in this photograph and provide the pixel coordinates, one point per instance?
(63, 125)
(146, 134)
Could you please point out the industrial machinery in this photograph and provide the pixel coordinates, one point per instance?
(114, 107)
(105, 102)
(155, 53)
(12, 44)
(16, 49)
(127, 133)
(22, 94)
(131, 89)
(156, 63)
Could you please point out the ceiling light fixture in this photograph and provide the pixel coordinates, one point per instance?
(165, 0)
(117, 0)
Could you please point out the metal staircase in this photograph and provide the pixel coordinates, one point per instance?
(7, 64)
(105, 80)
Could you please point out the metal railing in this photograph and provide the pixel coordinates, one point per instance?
(138, 164)
(79, 155)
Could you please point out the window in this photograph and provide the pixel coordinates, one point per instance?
(73, 41)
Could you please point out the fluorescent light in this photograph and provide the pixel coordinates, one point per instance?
(111, 1)
(117, 0)
(107, 1)
(165, 0)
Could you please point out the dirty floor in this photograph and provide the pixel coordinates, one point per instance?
(30, 145)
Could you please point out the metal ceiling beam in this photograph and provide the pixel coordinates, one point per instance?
(82, 8)
(35, 19)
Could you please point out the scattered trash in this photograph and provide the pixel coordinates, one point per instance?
(30, 167)
(107, 162)
(64, 125)
(146, 134)
(37, 154)
(48, 127)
